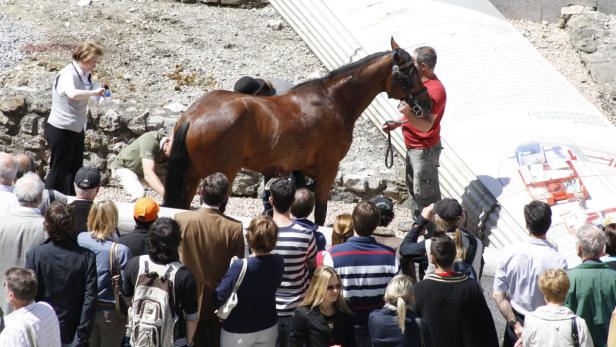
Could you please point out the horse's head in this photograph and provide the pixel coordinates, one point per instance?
(404, 82)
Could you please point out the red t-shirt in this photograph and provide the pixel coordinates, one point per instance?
(414, 138)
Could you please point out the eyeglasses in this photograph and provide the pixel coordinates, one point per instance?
(337, 287)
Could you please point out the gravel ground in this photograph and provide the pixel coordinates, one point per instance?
(13, 34)
(163, 51)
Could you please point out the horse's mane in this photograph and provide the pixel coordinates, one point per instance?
(341, 70)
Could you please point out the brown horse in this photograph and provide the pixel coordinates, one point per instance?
(310, 128)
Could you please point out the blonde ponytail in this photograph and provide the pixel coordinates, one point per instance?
(399, 294)
(401, 310)
(460, 250)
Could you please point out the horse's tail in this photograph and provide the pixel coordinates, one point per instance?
(175, 181)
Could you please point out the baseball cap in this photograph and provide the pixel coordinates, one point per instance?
(383, 203)
(448, 209)
(87, 178)
(146, 209)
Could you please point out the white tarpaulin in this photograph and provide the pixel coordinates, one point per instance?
(512, 122)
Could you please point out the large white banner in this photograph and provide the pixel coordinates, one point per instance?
(519, 126)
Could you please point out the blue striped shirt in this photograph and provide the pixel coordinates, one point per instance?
(365, 267)
(297, 247)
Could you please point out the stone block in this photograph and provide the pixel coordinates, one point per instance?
(13, 106)
(246, 183)
(275, 24)
(375, 184)
(138, 124)
(94, 141)
(34, 143)
(160, 122)
(40, 103)
(175, 107)
(233, 2)
(29, 124)
(110, 121)
(571, 10)
(42, 123)
(7, 123)
(603, 72)
(95, 161)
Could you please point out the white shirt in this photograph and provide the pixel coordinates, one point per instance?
(65, 81)
(8, 200)
(36, 321)
(517, 273)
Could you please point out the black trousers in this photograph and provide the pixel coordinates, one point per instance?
(66, 149)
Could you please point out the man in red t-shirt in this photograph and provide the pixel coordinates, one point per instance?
(422, 135)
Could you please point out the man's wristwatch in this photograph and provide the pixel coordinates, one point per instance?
(512, 322)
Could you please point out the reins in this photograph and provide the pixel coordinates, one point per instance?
(389, 152)
(403, 77)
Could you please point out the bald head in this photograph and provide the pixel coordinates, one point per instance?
(25, 163)
(8, 169)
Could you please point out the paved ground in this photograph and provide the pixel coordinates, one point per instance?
(491, 258)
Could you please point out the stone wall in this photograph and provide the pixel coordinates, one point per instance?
(111, 125)
(593, 34)
(114, 123)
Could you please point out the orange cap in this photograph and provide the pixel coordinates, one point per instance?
(146, 210)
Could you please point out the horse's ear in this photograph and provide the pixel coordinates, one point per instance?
(394, 44)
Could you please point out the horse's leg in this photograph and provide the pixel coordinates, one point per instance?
(192, 182)
(267, 207)
(322, 189)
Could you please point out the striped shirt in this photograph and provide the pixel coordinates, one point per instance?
(298, 248)
(365, 267)
(32, 325)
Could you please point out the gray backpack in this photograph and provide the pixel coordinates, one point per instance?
(151, 316)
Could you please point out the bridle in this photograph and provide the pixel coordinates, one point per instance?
(404, 79)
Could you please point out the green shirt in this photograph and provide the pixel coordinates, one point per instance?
(146, 146)
(592, 296)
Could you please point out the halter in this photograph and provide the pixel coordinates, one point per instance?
(405, 80)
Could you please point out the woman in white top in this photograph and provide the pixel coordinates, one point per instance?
(554, 325)
(65, 131)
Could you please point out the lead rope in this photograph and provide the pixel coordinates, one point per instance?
(389, 152)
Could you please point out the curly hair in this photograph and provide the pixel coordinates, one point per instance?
(163, 240)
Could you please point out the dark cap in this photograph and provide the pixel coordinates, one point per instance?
(386, 207)
(253, 86)
(383, 203)
(448, 209)
(87, 178)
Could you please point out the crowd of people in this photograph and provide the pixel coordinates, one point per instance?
(204, 279)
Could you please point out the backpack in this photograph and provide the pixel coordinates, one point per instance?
(151, 316)
(466, 267)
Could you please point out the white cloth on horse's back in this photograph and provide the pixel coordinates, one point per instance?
(281, 86)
